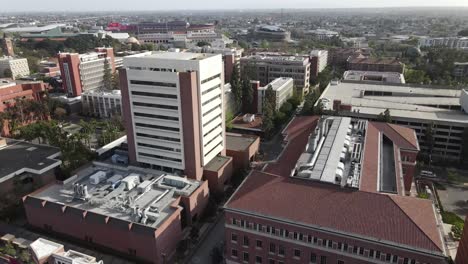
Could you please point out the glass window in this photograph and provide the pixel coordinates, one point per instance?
(246, 241)
(323, 260)
(258, 259)
(246, 256)
(234, 253)
(234, 238)
(272, 248)
(297, 253)
(259, 244)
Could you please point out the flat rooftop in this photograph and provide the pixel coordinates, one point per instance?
(239, 142)
(183, 56)
(404, 101)
(20, 156)
(130, 194)
(276, 58)
(391, 77)
(216, 163)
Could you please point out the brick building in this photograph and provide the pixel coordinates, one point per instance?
(376, 64)
(138, 213)
(83, 72)
(297, 209)
(12, 90)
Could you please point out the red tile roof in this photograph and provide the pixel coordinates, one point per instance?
(297, 135)
(403, 220)
(401, 137)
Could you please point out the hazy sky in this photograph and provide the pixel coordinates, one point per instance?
(148, 5)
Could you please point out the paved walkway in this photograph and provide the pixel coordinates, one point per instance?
(26, 234)
(212, 240)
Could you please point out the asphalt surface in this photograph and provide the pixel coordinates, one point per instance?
(455, 199)
(212, 240)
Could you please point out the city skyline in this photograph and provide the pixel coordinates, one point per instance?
(139, 5)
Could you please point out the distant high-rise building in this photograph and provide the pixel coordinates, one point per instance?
(83, 72)
(7, 47)
(173, 107)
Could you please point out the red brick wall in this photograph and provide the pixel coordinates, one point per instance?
(189, 97)
(216, 179)
(105, 231)
(73, 61)
(332, 254)
(462, 253)
(127, 116)
(409, 167)
(196, 203)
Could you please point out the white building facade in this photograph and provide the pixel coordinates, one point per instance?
(283, 89)
(102, 104)
(176, 109)
(18, 67)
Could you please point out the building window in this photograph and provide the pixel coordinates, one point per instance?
(313, 258)
(377, 254)
(271, 261)
(259, 244)
(388, 257)
(340, 262)
(234, 238)
(281, 251)
(405, 261)
(361, 251)
(258, 259)
(297, 253)
(234, 253)
(272, 248)
(234, 221)
(323, 260)
(245, 257)
(345, 247)
(246, 241)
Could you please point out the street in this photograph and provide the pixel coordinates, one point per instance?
(213, 239)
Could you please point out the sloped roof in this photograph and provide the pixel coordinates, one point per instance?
(405, 221)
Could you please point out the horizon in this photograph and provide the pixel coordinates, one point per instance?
(210, 5)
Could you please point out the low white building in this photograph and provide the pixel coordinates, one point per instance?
(448, 42)
(18, 67)
(103, 104)
(372, 76)
(283, 88)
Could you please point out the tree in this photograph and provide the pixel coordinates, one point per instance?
(463, 33)
(107, 77)
(268, 120)
(60, 113)
(429, 138)
(115, 81)
(236, 86)
(270, 97)
(385, 116)
(203, 43)
(247, 95)
(7, 73)
(416, 76)
(264, 44)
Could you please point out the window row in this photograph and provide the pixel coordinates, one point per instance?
(327, 243)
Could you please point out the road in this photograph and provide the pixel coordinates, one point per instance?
(213, 239)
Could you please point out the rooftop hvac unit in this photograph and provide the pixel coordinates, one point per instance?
(175, 181)
(341, 166)
(114, 179)
(97, 177)
(342, 157)
(131, 181)
(144, 186)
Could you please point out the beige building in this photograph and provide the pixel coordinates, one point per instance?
(18, 67)
(268, 67)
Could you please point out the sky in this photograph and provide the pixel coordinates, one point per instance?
(148, 5)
